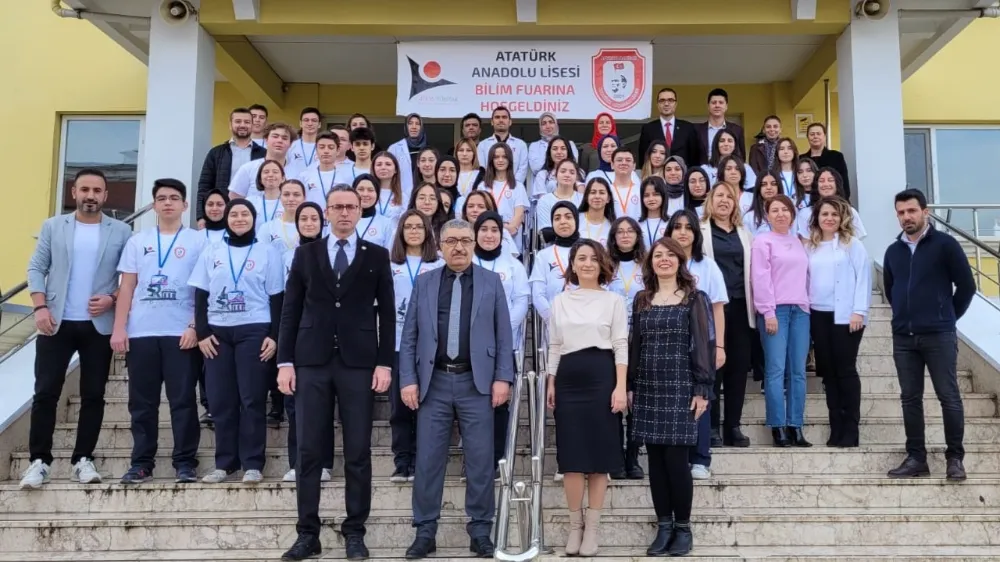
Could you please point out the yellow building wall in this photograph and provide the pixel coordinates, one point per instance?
(960, 83)
(51, 67)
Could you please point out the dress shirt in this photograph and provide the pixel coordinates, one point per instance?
(712, 131)
(673, 128)
(729, 257)
(444, 317)
(912, 244)
(241, 156)
(351, 248)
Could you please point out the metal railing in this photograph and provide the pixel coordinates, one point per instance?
(23, 286)
(949, 211)
(992, 278)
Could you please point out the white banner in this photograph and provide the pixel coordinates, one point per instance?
(575, 80)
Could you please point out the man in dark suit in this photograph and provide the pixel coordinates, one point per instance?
(224, 159)
(456, 357)
(682, 140)
(718, 104)
(334, 346)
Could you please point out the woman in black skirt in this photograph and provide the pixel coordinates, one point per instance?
(588, 358)
(670, 376)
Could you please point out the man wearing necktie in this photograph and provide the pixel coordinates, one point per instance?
(455, 361)
(335, 347)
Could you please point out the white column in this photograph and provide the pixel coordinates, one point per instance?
(871, 123)
(179, 103)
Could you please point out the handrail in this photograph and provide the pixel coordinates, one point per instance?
(23, 286)
(506, 464)
(979, 247)
(974, 207)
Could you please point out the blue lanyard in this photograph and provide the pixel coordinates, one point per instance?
(322, 185)
(413, 276)
(656, 230)
(277, 204)
(788, 191)
(161, 259)
(361, 234)
(383, 208)
(236, 277)
(302, 146)
(493, 264)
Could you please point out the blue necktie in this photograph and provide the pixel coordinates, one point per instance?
(340, 261)
(455, 316)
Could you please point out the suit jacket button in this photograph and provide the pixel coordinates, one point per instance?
(337, 305)
(338, 285)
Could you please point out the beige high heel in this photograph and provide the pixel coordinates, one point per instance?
(575, 532)
(588, 547)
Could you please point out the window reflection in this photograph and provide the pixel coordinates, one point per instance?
(110, 145)
(966, 175)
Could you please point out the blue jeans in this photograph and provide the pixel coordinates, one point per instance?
(785, 351)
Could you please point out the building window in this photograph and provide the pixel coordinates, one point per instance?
(951, 164)
(109, 143)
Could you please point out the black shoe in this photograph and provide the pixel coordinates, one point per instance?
(632, 469)
(798, 438)
(716, 438)
(734, 438)
(780, 436)
(306, 546)
(137, 475)
(411, 473)
(356, 549)
(482, 547)
(420, 548)
(274, 419)
(956, 470)
(683, 540)
(619, 474)
(911, 468)
(186, 475)
(664, 536)
(399, 475)
(206, 420)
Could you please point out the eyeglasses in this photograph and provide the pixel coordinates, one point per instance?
(341, 208)
(452, 242)
(413, 227)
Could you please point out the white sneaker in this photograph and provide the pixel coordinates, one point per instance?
(558, 477)
(700, 472)
(252, 477)
(36, 475)
(217, 476)
(289, 476)
(84, 472)
(326, 476)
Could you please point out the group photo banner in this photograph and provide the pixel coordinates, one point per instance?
(573, 79)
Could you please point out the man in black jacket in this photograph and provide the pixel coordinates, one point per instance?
(929, 283)
(223, 160)
(683, 141)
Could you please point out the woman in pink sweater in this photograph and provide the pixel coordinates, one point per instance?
(779, 272)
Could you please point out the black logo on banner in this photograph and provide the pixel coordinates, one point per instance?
(426, 77)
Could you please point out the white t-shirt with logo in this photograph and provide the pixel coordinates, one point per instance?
(163, 302)
(282, 234)
(404, 275)
(543, 210)
(627, 282)
(302, 152)
(597, 232)
(377, 230)
(259, 269)
(631, 194)
(548, 277)
(267, 209)
(651, 230)
(514, 279)
(385, 206)
(708, 279)
(245, 180)
(347, 171)
(318, 184)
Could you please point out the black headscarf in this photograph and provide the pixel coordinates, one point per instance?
(453, 188)
(303, 239)
(248, 237)
(369, 212)
(481, 252)
(569, 240)
(209, 223)
(676, 191)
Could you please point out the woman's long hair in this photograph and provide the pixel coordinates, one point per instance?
(697, 249)
(660, 186)
(651, 283)
(757, 203)
(735, 216)
(647, 167)
(845, 230)
(395, 185)
(428, 252)
(550, 164)
(609, 208)
(616, 252)
(492, 174)
(440, 216)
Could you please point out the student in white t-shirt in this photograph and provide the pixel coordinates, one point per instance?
(477, 203)
(154, 324)
(308, 224)
(214, 211)
(469, 169)
(362, 145)
(755, 218)
(279, 139)
(413, 252)
(426, 199)
(684, 228)
(426, 164)
(446, 180)
(625, 190)
(239, 284)
(596, 211)
(281, 231)
(828, 183)
(321, 177)
(266, 198)
(566, 175)
(372, 226)
(548, 274)
(501, 122)
(653, 218)
(557, 150)
(391, 196)
(303, 149)
(508, 192)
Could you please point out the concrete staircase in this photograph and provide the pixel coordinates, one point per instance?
(815, 504)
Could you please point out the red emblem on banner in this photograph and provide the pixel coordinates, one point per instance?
(619, 78)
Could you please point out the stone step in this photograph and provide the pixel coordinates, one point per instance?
(869, 460)
(870, 383)
(872, 405)
(770, 553)
(721, 492)
(392, 528)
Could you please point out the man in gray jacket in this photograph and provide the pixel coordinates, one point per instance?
(73, 280)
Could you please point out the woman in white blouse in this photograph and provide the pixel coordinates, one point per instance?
(839, 299)
(596, 211)
(828, 183)
(755, 219)
(588, 360)
(567, 176)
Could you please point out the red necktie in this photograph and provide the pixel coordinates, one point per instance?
(667, 135)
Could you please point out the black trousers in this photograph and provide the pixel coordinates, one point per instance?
(52, 356)
(403, 423)
(275, 397)
(733, 374)
(236, 380)
(836, 350)
(317, 390)
(293, 437)
(200, 369)
(155, 362)
(939, 354)
(670, 482)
